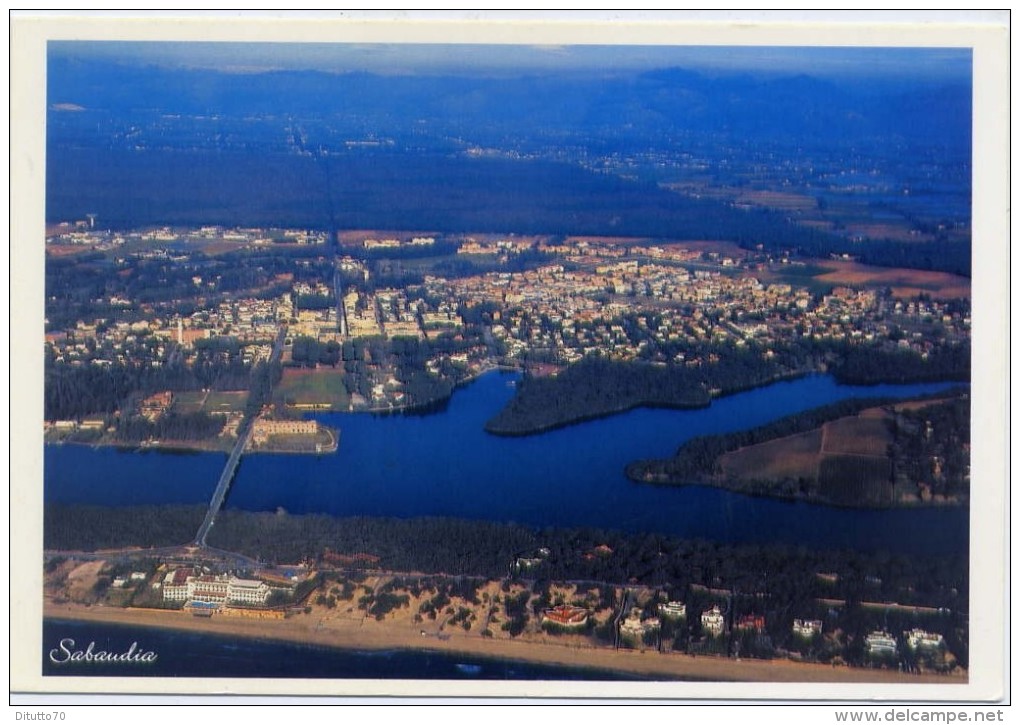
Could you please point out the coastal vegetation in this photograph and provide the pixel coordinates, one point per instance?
(89, 528)
(457, 579)
(480, 549)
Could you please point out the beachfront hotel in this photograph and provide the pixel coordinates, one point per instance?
(181, 585)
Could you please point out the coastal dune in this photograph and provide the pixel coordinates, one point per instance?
(371, 635)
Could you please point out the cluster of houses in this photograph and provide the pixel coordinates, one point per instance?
(880, 643)
(713, 623)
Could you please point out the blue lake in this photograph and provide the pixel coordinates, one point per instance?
(445, 464)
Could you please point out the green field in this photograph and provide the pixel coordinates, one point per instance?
(226, 402)
(322, 388)
(190, 402)
(222, 402)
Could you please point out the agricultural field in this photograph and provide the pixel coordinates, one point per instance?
(856, 480)
(779, 200)
(846, 461)
(904, 282)
(821, 275)
(860, 435)
(794, 456)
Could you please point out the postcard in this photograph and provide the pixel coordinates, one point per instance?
(509, 356)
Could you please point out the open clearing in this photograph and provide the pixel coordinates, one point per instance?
(189, 402)
(322, 388)
(226, 402)
(863, 436)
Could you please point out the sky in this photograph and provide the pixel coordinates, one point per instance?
(908, 64)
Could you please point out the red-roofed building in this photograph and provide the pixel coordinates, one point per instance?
(565, 615)
(754, 622)
(153, 407)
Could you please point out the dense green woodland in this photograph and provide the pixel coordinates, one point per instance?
(87, 528)
(595, 387)
(932, 446)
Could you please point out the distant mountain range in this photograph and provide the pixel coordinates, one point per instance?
(646, 107)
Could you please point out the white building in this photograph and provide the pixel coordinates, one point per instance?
(673, 610)
(635, 626)
(919, 639)
(182, 586)
(880, 643)
(247, 591)
(807, 628)
(713, 621)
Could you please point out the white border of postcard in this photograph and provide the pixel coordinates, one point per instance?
(987, 33)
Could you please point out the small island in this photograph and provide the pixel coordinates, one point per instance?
(858, 453)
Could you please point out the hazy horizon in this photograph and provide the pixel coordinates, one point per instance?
(907, 64)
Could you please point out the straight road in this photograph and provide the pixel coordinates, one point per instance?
(243, 437)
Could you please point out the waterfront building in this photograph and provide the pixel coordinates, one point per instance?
(175, 585)
(247, 591)
(263, 428)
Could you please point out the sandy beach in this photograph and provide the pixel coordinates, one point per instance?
(365, 634)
